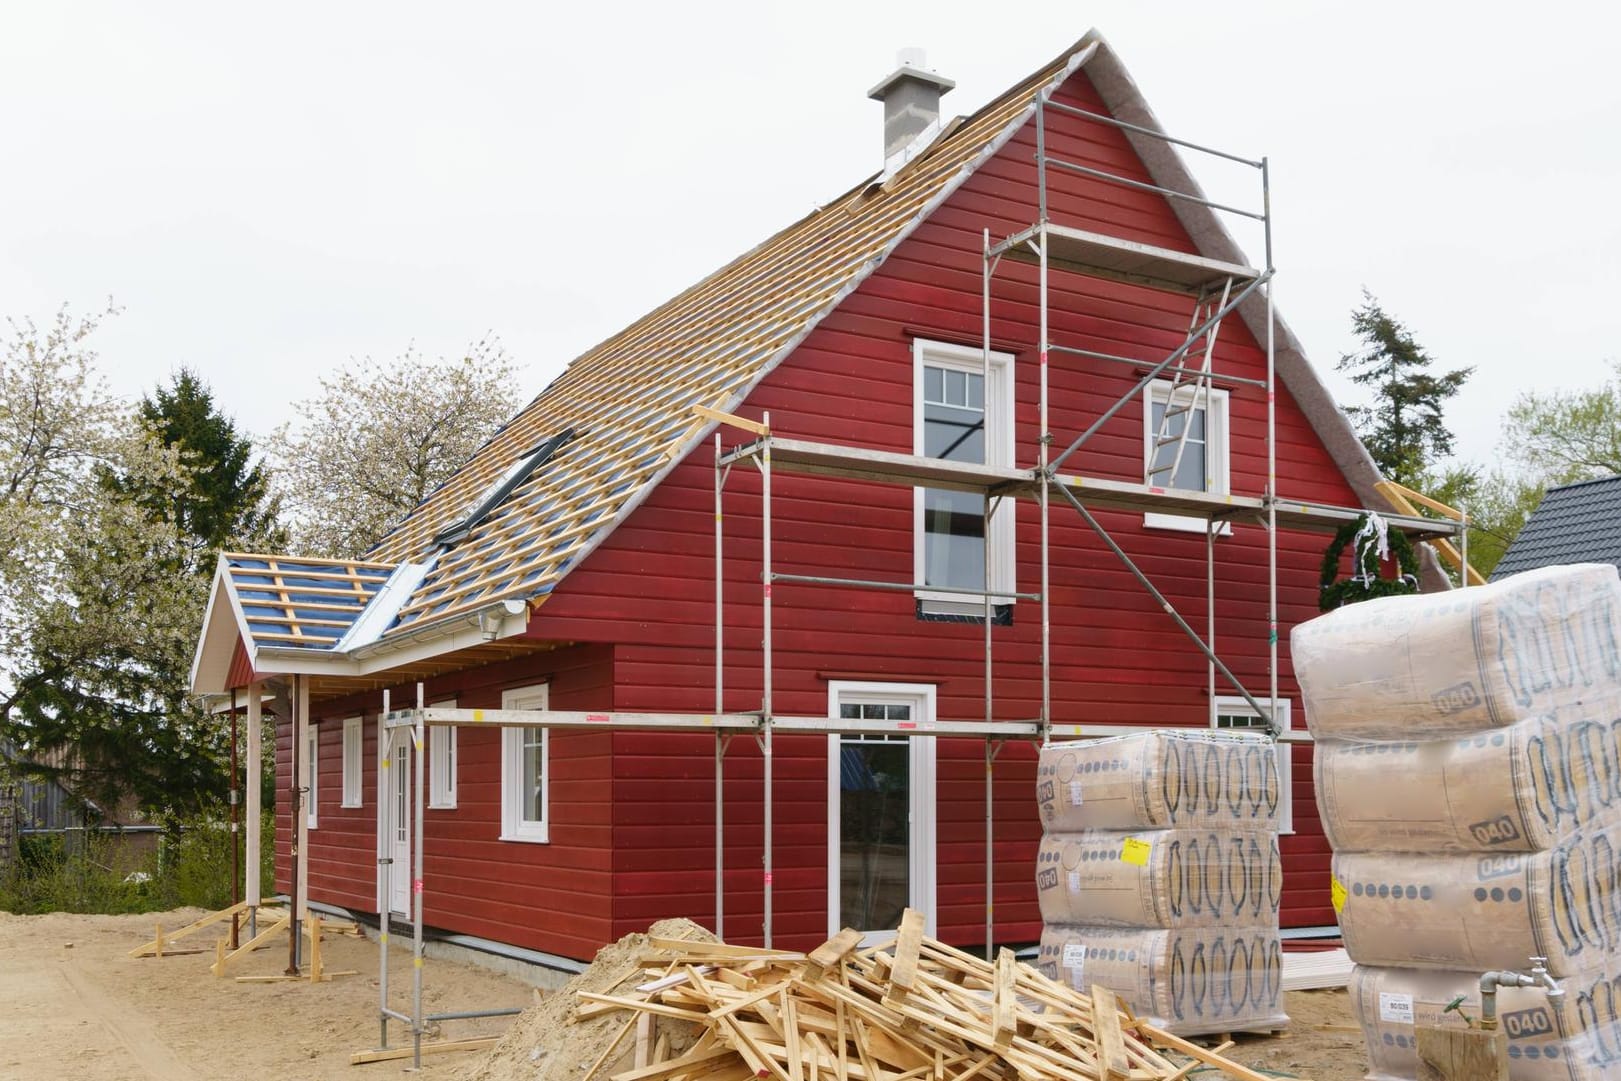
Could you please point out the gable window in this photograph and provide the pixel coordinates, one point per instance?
(1236, 713)
(351, 761)
(1204, 462)
(442, 761)
(311, 770)
(524, 774)
(961, 416)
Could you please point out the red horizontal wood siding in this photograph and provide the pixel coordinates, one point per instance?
(1116, 657)
(634, 812)
(553, 897)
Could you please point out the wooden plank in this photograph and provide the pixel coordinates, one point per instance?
(196, 925)
(1003, 1024)
(1193, 1050)
(830, 954)
(1462, 1054)
(903, 974)
(1106, 1028)
(478, 1043)
(218, 967)
(732, 419)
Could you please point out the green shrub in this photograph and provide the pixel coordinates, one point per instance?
(192, 866)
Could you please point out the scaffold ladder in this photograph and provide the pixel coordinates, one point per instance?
(1197, 384)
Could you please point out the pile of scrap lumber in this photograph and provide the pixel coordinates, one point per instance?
(913, 1009)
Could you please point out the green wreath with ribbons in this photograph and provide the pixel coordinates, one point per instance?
(1370, 535)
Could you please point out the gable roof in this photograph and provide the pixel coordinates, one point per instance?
(1574, 523)
(630, 399)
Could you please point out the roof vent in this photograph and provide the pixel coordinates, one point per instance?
(911, 97)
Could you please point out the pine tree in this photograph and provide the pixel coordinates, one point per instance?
(1403, 429)
(228, 502)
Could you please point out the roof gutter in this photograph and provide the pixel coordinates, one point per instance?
(491, 622)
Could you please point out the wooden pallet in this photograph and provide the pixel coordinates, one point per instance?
(913, 1010)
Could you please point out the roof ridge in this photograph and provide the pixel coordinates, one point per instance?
(1579, 483)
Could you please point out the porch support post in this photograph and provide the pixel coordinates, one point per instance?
(251, 888)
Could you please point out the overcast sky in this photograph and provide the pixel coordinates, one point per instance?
(268, 191)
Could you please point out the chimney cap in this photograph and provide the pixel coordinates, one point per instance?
(910, 63)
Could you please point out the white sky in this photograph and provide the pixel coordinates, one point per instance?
(270, 190)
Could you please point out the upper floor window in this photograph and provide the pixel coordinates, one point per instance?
(961, 416)
(1203, 466)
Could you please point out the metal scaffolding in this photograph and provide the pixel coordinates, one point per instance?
(1216, 288)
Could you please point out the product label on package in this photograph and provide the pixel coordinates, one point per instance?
(1135, 851)
(1075, 882)
(1074, 955)
(1337, 894)
(1075, 794)
(1397, 1009)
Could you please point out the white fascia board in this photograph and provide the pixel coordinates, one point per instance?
(211, 664)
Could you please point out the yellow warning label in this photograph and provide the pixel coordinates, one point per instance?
(1336, 894)
(478, 715)
(1135, 851)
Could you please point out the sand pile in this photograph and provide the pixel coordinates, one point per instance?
(547, 1044)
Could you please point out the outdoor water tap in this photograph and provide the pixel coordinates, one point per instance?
(1491, 981)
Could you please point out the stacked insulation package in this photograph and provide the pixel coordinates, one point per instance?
(1159, 877)
(1468, 773)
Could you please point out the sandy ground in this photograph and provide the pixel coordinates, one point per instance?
(75, 1005)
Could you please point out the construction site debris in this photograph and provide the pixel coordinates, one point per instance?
(548, 1043)
(911, 1009)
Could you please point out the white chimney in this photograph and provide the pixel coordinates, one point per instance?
(911, 96)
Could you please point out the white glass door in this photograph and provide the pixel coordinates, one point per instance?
(880, 809)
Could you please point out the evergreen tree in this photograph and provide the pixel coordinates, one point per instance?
(1403, 429)
(227, 502)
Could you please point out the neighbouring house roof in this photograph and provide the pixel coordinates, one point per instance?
(627, 404)
(1574, 523)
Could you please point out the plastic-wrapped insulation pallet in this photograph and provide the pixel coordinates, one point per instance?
(1159, 875)
(1468, 774)
(1573, 1038)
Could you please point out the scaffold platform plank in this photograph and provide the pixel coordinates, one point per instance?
(547, 718)
(889, 467)
(1098, 255)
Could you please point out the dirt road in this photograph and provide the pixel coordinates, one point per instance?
(74, 1005)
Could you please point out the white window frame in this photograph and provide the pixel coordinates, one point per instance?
(998, 454)
(514, 827)
(354, 743)
(1218, 452)
(443, 761)
(312, 772)
(1236, 706)
(924, 811)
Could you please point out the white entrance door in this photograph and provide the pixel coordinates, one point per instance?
(399, 840)
(880, 808)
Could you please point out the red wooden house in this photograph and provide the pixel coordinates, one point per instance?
(571, 566)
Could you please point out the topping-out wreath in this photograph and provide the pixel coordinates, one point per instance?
(1374, 542)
